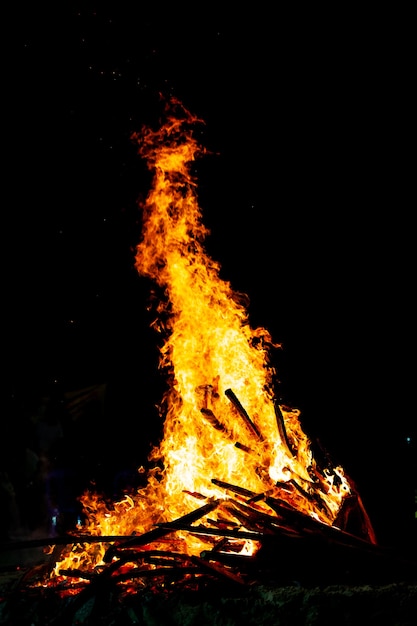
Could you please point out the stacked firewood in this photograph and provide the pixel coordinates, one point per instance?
(291, 546)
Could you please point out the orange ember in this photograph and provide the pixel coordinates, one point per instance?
(222, 423)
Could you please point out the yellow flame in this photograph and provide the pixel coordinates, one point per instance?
(216, 364)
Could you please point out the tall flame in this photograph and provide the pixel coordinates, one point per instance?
(221, 420)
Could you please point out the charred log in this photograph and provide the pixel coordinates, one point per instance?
(243, 413)
(282, 430)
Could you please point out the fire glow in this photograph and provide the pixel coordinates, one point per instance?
(222, 423)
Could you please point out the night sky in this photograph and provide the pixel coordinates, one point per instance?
(308, 192)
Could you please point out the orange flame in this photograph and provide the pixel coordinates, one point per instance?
(221, 420)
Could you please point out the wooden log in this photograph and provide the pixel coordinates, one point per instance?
(175, 572)
(163, 529)
(263, 522)
(242, 447)
(234, 488)
(242, 412)
(222, 523)
(209, 415)
(195, 494)
(229, 545)
(282, 430)
(148, 556)
(206, 391)
(250, 522)
(218, 532)
(239, 561)
(315, 498)
(261, 496)
(77, 573)
(139, 540)
(302, 522)
(284, 485)
(218, 570)
(167, 554)
(195, 515)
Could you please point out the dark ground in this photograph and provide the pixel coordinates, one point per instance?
(219, 604)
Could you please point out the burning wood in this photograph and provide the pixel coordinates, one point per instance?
(218, 570)
(235, 488)
(293, 535)
(209, 415)
(163, 529)
(243, 413)
(241, 540)
(281, 428)
(240, 446)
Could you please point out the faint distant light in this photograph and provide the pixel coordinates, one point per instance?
(54, 519)
(408, 440)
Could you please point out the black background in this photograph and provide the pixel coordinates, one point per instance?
(308, 193)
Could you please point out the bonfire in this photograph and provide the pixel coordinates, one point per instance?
(234, 470)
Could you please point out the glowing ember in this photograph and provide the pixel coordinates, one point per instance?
(221, 422)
